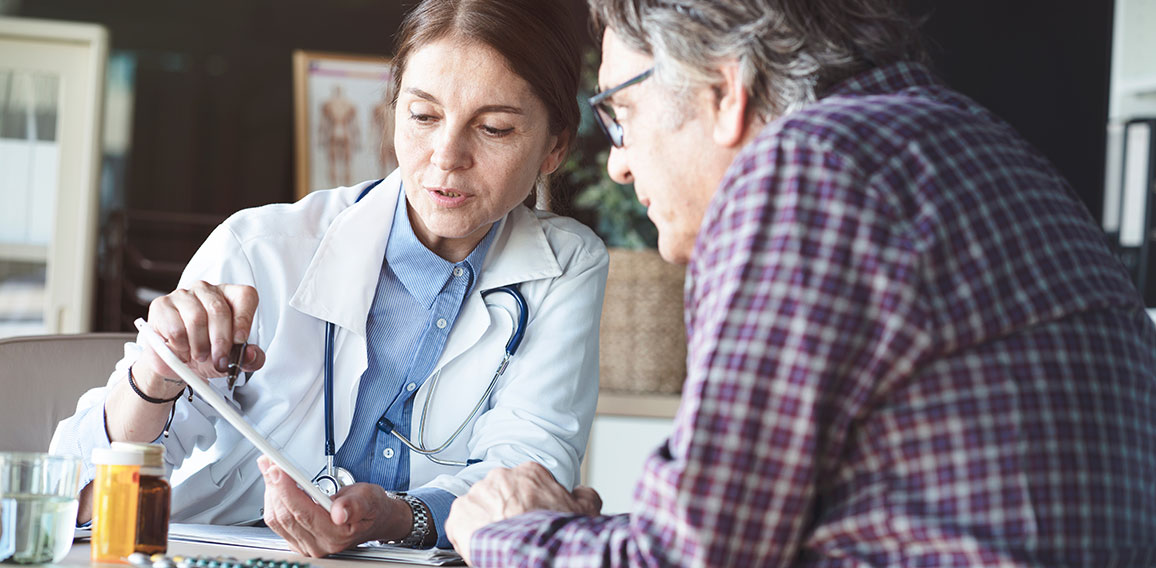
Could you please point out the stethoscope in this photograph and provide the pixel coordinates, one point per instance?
(333, 478)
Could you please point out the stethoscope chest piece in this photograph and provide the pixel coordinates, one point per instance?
(331, 482)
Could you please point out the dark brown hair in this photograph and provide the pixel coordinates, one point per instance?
(536, 37)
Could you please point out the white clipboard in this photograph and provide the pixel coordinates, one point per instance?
(218, 402)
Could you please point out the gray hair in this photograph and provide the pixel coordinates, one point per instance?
(789, 51)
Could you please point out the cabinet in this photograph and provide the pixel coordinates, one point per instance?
(51, 87)
(1133, 87)
(1129, 179)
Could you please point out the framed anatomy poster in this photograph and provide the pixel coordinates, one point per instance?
(343, 119)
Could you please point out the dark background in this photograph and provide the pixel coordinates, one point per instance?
(213, 120)
(212, 124)
(1042, 66)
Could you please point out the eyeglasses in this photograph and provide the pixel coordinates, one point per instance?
(605, 115)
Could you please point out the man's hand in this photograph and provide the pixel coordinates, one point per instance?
(506, 493)
(361, 512)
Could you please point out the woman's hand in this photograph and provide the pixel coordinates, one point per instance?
(200, 325)
(361, 512)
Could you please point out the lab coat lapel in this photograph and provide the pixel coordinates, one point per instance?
(340, 283)
(341, 280)
(519, 254)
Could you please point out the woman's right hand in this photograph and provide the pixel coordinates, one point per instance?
(200, 325)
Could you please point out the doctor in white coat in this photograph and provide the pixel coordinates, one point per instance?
(481, 118)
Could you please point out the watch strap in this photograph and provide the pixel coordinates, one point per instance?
(421, 521)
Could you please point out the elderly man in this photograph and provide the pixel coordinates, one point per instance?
(908, 343)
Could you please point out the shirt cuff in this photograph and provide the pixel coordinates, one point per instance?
(501, 543)
(87, 433)
(91, 433)
(438, 501)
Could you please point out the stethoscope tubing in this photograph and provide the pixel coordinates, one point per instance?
(512, 344)
(337, 477)
(330, 332)
(511, 348)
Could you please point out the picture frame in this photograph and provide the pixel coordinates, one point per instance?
(50, 151)
(343, 119)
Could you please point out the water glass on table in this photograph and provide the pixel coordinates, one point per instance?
(38, 503)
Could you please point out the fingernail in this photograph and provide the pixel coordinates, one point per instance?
(223, 364)
(240, 337)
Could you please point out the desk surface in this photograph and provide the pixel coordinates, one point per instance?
(80, 555)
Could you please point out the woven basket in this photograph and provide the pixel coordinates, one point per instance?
(643, 339)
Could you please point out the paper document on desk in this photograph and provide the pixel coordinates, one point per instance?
(265, 538)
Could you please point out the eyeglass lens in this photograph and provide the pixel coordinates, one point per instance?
(605, 113)
(609, 124)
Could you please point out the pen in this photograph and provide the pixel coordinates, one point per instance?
(236, 356)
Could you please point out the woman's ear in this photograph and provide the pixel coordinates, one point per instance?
(730, 107)
(557, 153)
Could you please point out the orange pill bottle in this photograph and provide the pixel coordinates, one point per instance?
(116, 492)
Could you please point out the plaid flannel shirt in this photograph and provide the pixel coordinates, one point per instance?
(908, 346)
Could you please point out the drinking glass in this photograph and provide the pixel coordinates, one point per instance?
(38, 503)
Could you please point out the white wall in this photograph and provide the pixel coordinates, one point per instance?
(618, 447)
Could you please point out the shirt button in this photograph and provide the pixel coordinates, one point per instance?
(441, 323)
(388, 453)
(458, 271)
(410, 387)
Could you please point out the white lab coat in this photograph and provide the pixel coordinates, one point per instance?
(318, 260)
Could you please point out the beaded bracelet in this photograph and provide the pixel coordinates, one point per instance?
(147, 398)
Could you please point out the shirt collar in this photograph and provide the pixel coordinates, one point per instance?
(886, 79)
(477, 259)
(414, 264)
(339, 282)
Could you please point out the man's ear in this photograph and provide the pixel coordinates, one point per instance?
(730, 107)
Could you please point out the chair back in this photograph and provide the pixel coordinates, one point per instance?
(42, 378)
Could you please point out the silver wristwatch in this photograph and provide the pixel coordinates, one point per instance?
(421, 521)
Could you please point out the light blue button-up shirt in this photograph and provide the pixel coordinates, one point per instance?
(418, 297)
